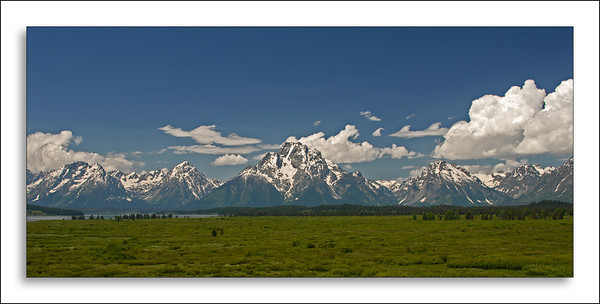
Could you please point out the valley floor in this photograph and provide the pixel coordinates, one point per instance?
(336, 246)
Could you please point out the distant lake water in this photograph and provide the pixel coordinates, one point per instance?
(35, 218)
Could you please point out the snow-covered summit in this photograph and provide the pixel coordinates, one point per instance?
(447, 171)
(294, 164)
(297, 174)
(170, 188)
(443, 183)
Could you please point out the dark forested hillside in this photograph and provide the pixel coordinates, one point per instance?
(41, 210)
(543, 207)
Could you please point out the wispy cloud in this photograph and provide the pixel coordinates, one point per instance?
(433, 130)
(208, 135)
(370, 116)
(77, 140)
(259, 156)
(211, 149)
(409, 116)
(316, 123)
(229, 160)
(378, 132)
(270, 147)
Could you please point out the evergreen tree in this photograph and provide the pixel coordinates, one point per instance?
(449, 215)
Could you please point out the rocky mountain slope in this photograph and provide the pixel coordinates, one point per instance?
(174, 188)
(294, 175)
(89, 186)
(297, 175)
(78, 185)
(442, 183)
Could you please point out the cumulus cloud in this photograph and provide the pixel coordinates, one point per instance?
(208, 135)
(316, 123)
(47, 151)
(378, 132)
(525, 121)
(433, 130)
(229, 160)
(397, 152)
(370, 116)
(340, 149)
(212, 149)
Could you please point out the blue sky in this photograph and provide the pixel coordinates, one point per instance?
(113, 88)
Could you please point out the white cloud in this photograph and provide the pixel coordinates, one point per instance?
(378, 132)
(316, 123)
(259, 156)
(208, 135)
(397, 152)
(47, 151)
(551, 129)
(229, 160)
(348, 167)
(77, 140)
(478, 169)
(507, 165)
(416, 172)
(523, 122)
(212, 149)
(408, 167)
(409, 116)
(433, 130)
(370, 116)
(340, 149)
(270, 147)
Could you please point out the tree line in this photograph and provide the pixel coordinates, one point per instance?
(41, 210)
(132, 216)
(537, 210)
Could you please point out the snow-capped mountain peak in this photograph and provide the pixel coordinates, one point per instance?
(293, 162)
(445, 183)
(528, 182)
(171, 188)
(300, 175)
(75, 183)
(447, 171)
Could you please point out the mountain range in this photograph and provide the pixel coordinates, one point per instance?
(294, 175)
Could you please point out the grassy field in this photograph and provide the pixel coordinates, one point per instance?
(341, 246)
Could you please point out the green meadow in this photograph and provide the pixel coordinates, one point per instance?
(312, 246)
